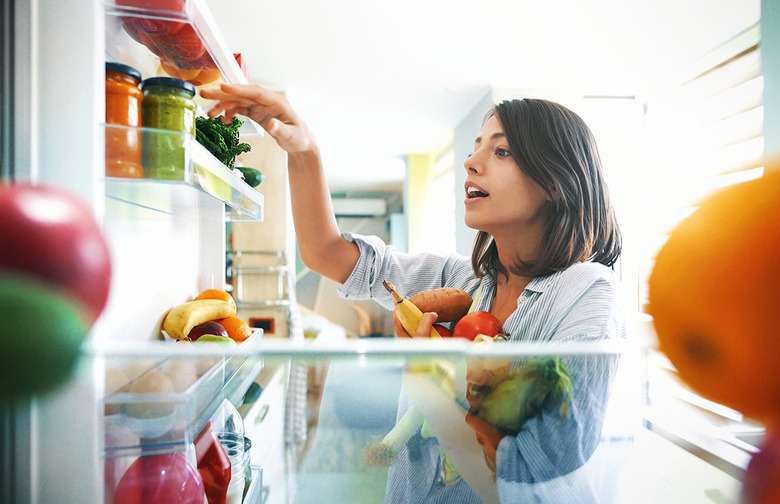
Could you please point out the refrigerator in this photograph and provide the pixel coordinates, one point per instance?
(321, 403)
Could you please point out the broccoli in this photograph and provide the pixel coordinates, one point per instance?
(221, 140)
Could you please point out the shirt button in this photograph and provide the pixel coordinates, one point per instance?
(522, 299)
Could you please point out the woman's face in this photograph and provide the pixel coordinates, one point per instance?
(500, 197)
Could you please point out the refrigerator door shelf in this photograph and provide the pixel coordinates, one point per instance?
(197, 379)
(175, 38)
(183, 35)
(200, 171)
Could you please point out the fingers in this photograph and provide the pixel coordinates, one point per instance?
(245, 93)
(399, 328)
(255, 102)
(423, 329)
(267, 108)
(425, 325)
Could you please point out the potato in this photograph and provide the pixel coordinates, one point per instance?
(449, 303)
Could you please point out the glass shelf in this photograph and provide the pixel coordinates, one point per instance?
(359, 401)
(199, 173)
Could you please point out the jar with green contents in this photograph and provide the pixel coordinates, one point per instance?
(168, 105)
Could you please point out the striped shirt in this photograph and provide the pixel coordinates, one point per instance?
(578, 304)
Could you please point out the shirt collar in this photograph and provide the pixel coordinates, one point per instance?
(488, 291)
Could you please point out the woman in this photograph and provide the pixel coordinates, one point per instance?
(547, 238)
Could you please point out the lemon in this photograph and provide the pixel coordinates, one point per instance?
(40, 335)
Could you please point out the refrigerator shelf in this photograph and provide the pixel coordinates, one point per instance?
(169, 421)
(201, 172)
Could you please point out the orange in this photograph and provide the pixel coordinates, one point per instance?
(179, 73)
(714, 294)
(206, 76)
(237, 329)
(216, 294)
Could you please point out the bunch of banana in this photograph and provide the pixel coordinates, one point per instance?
(180, 320)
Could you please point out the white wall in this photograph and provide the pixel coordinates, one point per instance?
(463, 139)
(770, 56)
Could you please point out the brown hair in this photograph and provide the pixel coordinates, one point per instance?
(555, 148)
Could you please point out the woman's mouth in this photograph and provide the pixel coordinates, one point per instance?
(474, 192)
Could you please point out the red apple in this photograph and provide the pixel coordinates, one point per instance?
(214, 328)
(51, 234)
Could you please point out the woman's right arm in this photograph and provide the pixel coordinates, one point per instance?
(320, 243)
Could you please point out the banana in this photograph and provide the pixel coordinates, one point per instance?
(182, 318)
(407, 312)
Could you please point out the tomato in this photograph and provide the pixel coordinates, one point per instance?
(135, 26)
(181, 46)
(154, 5)
(148, 24)
(442, 330)
(52, 235)
(476, 323)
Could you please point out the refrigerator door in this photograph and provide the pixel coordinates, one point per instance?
(51, 447)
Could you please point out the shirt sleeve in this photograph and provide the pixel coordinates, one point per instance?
(410, 273)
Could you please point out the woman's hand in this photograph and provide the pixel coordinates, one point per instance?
(269, 109)
(423, 329)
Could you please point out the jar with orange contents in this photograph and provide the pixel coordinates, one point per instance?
(123, 111)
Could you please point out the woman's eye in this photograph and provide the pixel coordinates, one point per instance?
(503, 153)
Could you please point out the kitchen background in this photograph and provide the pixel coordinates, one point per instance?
(674, 91)
(682, 96)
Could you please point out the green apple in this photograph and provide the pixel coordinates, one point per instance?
(213, 338)
(42, 332)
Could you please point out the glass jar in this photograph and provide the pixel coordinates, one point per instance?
(234, 447)
(168, 105)
(247, 465)
(123, 109)
(227, 419)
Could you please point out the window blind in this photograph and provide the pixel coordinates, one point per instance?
(702, 134)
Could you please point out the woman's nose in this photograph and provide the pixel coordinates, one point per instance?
(471, 163)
